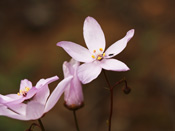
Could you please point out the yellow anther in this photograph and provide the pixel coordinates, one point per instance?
(99, 58)
(94, 51)
(101, 49)
(103, 54)
(27, 89)
(23, 92)
(93, 56)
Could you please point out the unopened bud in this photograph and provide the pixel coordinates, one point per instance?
(126, 90)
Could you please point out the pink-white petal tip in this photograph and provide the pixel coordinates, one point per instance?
(130, 33)
(88, 18)
(59, 43)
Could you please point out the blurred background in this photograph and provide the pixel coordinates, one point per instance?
(30, 29)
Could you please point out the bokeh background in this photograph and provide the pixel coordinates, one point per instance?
(30, 29)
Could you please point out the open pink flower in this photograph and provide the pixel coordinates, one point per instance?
(26, 91)
(36, 106)
(94, 57)
(73, 94)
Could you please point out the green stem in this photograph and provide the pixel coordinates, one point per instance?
(41, 125)
(76, 121)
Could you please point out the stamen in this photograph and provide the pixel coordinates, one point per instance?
(27, 89)
(93, 56)
(99, 57)
(94, 51)
(103, 54)
(23, 92)
(101, 49)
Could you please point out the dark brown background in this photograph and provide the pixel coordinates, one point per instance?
(29, 31)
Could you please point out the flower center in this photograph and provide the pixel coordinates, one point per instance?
(98, 54)
(24, 92)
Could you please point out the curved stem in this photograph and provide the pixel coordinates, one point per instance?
(76, 121)
(119, 82)
(111, 100)
(41, 125)
(32, 126)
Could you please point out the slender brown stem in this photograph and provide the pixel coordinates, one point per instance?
(76, 121)
(32, 126)
(119, 82)
(111, 108)
(111, 96)
(41, 125)
(111, 100)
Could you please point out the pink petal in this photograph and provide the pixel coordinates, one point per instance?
(4, 99)
(15, 99)
(93, 34)
(30, 93)
(74, 65)
(43, 90)
(88, 72)
(54, 97)
(18, 108)
(30, 111)
(70, 67)
(76, 51)
(43, 82)
(25, 83)
(13, 96)
(114, 65)
(120, 45)
(34, 110)
(73, 94)
(66, 69)
(42, 95)
(4, 111)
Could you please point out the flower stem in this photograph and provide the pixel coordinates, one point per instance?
(76, 121)
(41, 125)
(120, 81)
(111, 100)
(32, 126)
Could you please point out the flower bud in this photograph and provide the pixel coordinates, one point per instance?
(73, 95)
(126, 90)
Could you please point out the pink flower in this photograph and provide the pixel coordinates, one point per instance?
(36, 106)
(73, 94)
(94, 57)
(26, 91)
